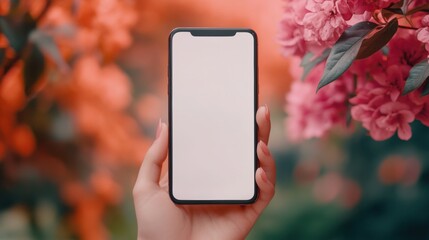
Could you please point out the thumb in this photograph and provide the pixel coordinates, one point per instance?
(150, 169)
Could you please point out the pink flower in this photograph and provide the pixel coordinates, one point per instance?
(361, 6)
(423, 115)
(312, 26)
(405, 49)
(419, 2)
(381, 109)
(423, 33)
(394, 116)
(345, 7)
(292, 32)
(382, 117)
(378, 103)
(423, 102)
(312, 115)
(392, 80)
(323, 24)
(375, 64)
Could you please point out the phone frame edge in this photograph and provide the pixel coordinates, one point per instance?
(170, 116)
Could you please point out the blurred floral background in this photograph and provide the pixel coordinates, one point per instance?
(83, 84)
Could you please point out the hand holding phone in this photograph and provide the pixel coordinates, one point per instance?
(159, 218)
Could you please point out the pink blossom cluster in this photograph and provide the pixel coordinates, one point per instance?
(378, 103)
(370, 91)
(423, 32)
(311, 114)
(314, 25)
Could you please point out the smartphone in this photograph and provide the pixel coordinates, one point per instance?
(213, 98)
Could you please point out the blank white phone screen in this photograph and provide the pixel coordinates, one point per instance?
(213, 116)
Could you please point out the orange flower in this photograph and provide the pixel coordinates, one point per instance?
(105, 187)
(4, 7)
(59, 23)
(392, 170)
(397, 169)
(107, 83)
(88, 118)
(107, 21)
(4, 43)
(328, 187)
(149, 108)
(351, 194)
(12, 96)
(73, 192)
(88, 219)
(333, 186)
(23, 141)
(34, 7)
(306, 172)
(2, 150)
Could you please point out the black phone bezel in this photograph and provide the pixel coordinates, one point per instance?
(221, 32)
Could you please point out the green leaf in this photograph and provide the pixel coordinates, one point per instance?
(8, 30)
(345, 51)
(14, 4)
(34, 66)
(426, 88)
(62, 31)
(418, 75)
(2, 55)
(47, 44)
(308, 63)
(378, 40)
(17, 30)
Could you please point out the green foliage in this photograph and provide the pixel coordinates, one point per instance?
(2, 54)
(378, 40)
(425, 89)
(17, 29)
(308, 62)
(357, 42)
(28, 44)
(418, 75)
(366, 38)
(344, 51)
(34, 66)
(47, 44)
(385, 211)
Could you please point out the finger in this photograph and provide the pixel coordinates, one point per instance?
(266, 161)
(264, 123)
(266, 191)
(150, 169)
(163, 183)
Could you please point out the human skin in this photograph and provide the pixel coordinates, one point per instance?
(159, 218)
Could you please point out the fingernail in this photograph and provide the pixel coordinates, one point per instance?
(264, 175)
(267, 112)
(264, 148)
(158, 129)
